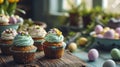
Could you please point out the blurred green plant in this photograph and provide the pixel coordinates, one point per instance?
(8, 7)
(75, 8)
(75, 12)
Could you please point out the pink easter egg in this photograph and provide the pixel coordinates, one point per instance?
(12, 20)
(93, 54)
(99, 36)
(118, 30)
(98, 29)
(109, 34)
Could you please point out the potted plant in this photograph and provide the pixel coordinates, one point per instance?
(76, 12)
(8, 19)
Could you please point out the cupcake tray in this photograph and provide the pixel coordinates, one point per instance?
(68, 60)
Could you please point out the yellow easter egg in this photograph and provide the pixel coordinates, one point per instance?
(107, 28)
(116, 36)
(82, 41)
(94, 35)
(72, 46)
(103, 32)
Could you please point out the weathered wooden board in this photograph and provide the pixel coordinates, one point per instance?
(68, 60)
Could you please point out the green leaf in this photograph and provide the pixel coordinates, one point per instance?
(12, 8)
(1, 11)
(20, 10)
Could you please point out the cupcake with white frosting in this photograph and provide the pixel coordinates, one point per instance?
(37, 33)
(7, 37)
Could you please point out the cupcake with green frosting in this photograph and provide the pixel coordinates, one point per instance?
(23, 49)
(54, 44)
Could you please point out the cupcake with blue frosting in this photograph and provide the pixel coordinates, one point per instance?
(23, 49)
(54, 44)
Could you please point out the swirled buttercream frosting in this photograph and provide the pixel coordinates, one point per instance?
(54, 35)
(8, 34)
(23, 39)
(36, 31)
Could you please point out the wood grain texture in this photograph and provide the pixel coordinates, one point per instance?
(68, 60)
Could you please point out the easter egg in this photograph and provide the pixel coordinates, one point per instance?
(109, 34)
(105, 30)
(19, 19)
(116, 36)
(109, 63)
(92, 33)
(115, 54)
(99, 36)
(82, 41)
(12, 20)
(93, 54)
(98, 29)
(72, 46)
(117, 30)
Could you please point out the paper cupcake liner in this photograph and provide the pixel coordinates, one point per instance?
(3, 44)
(5, 49)
(39, 45)
(53, 52)
(23, 57)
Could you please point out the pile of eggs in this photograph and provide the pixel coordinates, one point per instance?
(106, 32)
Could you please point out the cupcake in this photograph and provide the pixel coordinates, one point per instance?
(37, 33)
(4, 20)
(53, 45)
(7, 37)
(23, 50)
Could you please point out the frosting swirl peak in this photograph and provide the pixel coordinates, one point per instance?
(8, 34)
(23, 39)
(37, 31)
(54, 35)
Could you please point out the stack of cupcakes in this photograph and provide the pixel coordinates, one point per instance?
(53, 44)
(37, 33)
(23, 50)
(7, 37)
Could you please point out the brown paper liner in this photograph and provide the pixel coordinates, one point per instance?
(39, 46)
(54, 53)
(5, 45)
(5, 49)
(23, 58)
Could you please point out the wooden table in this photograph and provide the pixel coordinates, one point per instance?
(68, 60)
